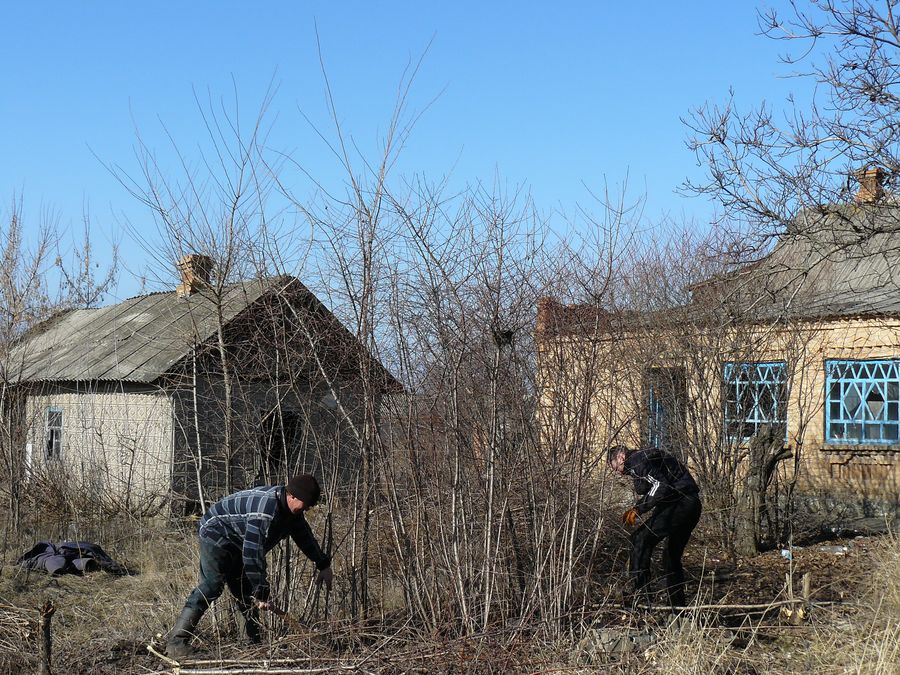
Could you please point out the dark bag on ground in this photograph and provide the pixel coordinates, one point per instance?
(70, 557)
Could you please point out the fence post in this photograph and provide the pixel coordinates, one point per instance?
(47, 611)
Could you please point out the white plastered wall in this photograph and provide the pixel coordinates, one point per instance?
(120, 442)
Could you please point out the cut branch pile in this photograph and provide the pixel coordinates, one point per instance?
(18, 628)
(351, 648)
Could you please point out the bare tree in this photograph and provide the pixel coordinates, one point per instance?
(81, 287)
(26, 299)
(214, 205)
(766, 165)
(817, 174)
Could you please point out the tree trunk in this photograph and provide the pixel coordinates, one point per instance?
(765, 450)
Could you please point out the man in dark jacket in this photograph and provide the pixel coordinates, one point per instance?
(667, 488)
(235, 535)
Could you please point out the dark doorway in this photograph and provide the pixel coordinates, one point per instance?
(278, 440)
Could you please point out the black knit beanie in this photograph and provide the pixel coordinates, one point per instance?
(305, 487)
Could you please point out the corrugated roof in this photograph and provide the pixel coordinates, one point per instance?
(133, 341)
(838, 262)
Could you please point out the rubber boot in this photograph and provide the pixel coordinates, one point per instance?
(677, 595)
(179, 644)
(250, 631)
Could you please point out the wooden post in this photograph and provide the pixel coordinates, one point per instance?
(799, 609)
(806, 583)
(46, 615)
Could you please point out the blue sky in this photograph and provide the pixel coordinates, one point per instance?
(556, 96)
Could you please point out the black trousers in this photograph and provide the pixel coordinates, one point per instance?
(674, 522)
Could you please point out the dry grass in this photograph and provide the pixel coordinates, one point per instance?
(867, 639)
(862, 637)
(100, 620)
(104, 623)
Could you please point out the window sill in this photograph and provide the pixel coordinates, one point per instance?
(859, 448)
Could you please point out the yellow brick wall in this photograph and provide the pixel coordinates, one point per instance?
(600, 378)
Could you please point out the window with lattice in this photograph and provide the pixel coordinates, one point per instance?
(755, 395)
(53, 433)
(862, 401)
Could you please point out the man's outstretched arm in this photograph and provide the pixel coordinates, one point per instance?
(306, 542)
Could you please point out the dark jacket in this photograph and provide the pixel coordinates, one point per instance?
(250, 523)
(658, 477)
(70, 557)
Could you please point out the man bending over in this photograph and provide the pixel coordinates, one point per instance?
(235, 535)
(667, 488)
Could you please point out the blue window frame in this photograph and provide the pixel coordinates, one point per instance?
(666, 401)
(862, 401)
(755, 395)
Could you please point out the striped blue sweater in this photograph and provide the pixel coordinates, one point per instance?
(250, 523)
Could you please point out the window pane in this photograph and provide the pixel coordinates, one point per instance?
(872, 431)
(852, 400)
(767, 403)
(834, 392)
(875, 403)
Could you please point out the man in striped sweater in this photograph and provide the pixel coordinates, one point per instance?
(235, 535)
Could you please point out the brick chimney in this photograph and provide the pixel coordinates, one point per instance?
(871, 185)
(195, 270)
(546, 308)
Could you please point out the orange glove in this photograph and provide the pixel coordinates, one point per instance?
(630, 516)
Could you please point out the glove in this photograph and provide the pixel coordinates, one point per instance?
(325, 576)
(630, 516)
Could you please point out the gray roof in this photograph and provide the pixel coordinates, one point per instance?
(837, 261)
(834, 262)
(137, 340)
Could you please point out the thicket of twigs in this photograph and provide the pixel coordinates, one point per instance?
(105, 624)
(474, 526)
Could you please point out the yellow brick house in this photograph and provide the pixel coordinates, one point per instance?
(804, 343)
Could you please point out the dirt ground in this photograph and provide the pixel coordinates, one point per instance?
(838, 569)
(103, 624)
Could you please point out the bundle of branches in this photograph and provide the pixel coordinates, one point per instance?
(18, 634)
